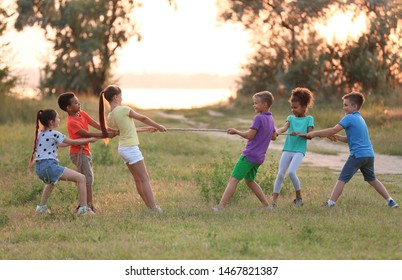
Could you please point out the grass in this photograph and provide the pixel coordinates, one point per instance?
(189, 172)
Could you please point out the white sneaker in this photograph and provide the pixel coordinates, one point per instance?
(157, 209)
(271, 207)
(216, 209)
(85, 210)
(42, 209)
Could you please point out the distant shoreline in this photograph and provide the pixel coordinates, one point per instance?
(152, 80)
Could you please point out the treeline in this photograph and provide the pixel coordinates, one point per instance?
(289, 52)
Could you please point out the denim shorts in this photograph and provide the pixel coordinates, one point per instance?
(365, 164)
(130, 154)
(245, 169)
(49, 170)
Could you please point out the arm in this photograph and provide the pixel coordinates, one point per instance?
(77, 142)
(324, 132)
(111, 131)
(248, 134)
(147, 129)
(146, 120)
(304, 135)
(86, 134)
(283, 129)
(339, 138)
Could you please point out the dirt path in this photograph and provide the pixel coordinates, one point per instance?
(384, 164)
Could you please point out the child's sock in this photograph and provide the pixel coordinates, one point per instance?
(389, 199)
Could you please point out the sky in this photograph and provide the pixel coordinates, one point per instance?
(184, 40)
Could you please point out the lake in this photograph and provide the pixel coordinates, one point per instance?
(166, 98)
(170, 98)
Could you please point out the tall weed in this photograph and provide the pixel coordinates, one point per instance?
(213, 178)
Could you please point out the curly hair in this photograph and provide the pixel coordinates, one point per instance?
(303, 96)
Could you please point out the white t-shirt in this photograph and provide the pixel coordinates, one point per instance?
(47, 144)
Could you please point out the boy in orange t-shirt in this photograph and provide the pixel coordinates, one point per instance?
(77, 126)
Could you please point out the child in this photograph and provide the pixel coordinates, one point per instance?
(77, 125)
(295, 146)
(361, 151)
(47, 168)
(122, 118)
(261, 132)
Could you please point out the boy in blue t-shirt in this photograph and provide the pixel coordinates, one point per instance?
(361, 151)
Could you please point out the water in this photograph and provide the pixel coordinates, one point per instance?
(167, 98)
(162, 98)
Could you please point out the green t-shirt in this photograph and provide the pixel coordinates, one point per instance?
(119, 118)
(297, 144)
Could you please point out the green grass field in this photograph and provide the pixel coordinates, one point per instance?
(189, 172)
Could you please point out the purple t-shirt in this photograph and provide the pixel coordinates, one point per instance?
(257, 148)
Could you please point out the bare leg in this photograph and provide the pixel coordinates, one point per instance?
(141, 179)
(74, 176)
(229, 191)
(257, 191)
(46, 193)
(275, 198)
(337, 190)
(379, 187)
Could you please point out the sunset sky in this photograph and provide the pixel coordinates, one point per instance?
(186, 40)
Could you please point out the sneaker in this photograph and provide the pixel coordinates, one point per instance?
(393, 204)
(42, 209)
(157, 209)
(298, 201)
(271, 207)
(217, 208)
(325, 204)
(85, 210)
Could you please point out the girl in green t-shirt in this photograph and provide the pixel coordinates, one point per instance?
(294, 149)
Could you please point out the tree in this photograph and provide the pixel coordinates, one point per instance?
(374, 62)
(284, 38)
(7, 81)
(85, 37)
(289, 52)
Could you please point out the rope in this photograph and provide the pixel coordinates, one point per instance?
(196, 129)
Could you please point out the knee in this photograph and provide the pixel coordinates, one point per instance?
(292, 174)
(81, 179)
(141, 179)
(280, 176)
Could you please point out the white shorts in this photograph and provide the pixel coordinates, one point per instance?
(130, 154)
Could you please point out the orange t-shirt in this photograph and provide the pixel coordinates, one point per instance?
(75, 124)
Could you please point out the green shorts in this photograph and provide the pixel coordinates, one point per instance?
(245, 169)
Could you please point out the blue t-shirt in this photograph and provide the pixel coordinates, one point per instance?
(256, 149)
(296, 144)
(357, 135)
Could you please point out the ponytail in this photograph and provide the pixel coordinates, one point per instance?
(102, 119)
(35, 137)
